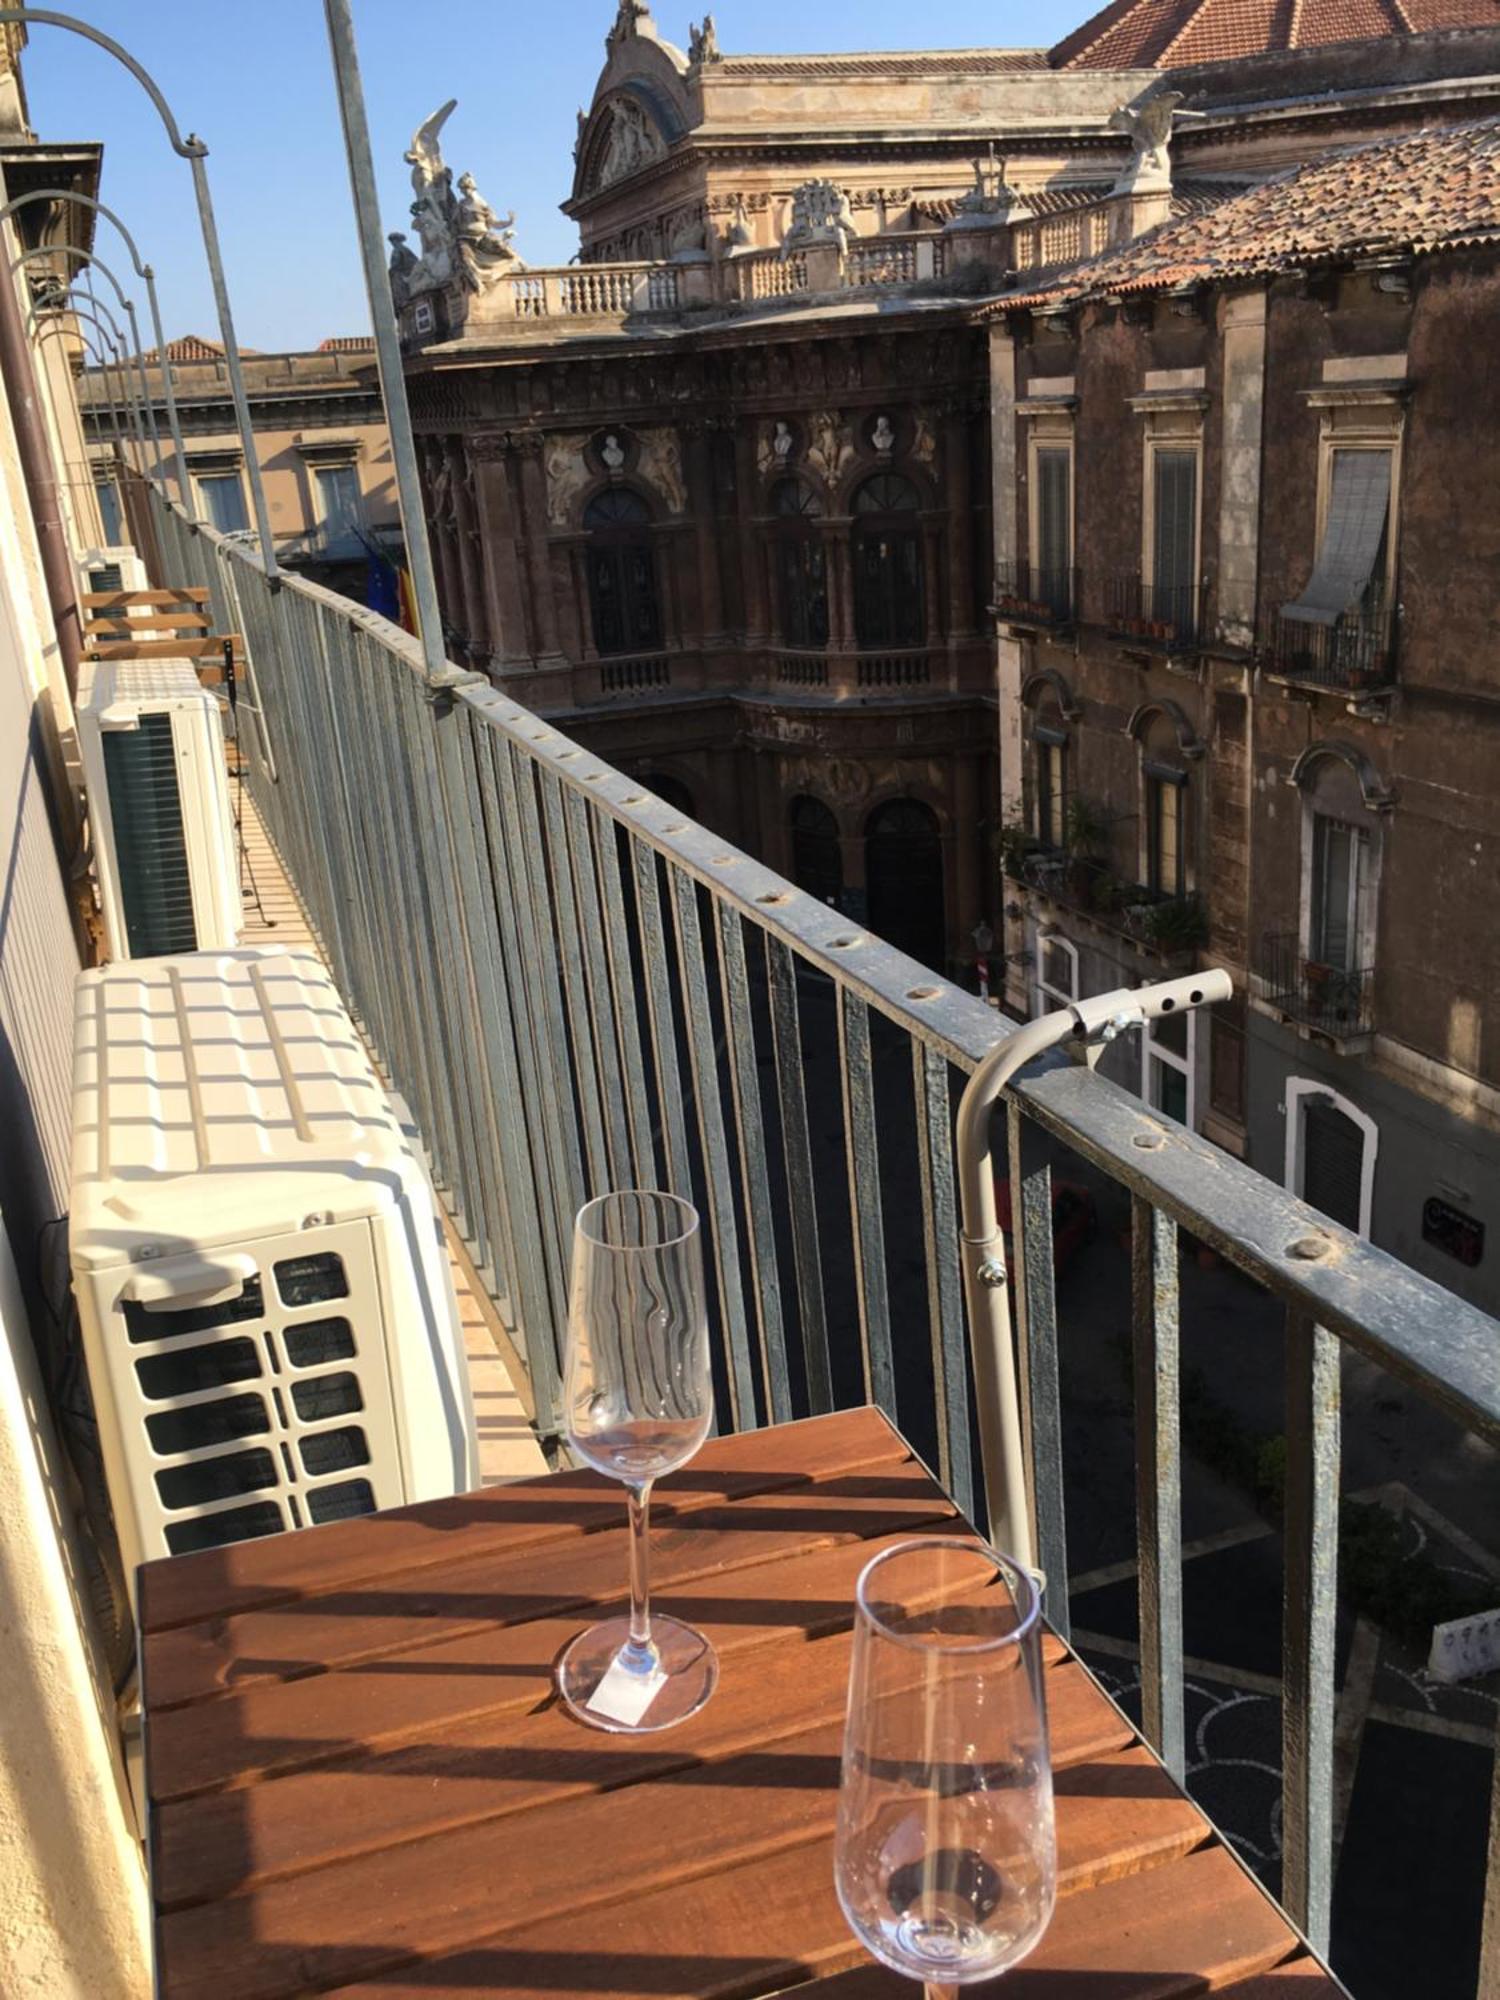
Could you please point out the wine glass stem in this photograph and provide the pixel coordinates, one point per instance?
(933, 1992)
(639, 1498)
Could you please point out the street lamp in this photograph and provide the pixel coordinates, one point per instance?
(148, 278)
(194, 151)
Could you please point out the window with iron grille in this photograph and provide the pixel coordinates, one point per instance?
(622, 573)
(1054, 512)
(1051, 785)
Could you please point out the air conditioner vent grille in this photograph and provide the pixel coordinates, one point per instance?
(235, 1524)
(145, 804)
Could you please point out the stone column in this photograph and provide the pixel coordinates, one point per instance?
(700, 487)
(470, 559)
(1242, 321)
(960, 526)
(752, 561)
(528, 445)
(438, 482)
(842, 635)
(496, 513)
(932, 577)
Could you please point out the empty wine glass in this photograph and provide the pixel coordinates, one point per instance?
(638, 1401)
(945, 1860)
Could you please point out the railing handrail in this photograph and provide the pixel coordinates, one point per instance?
(1098, 1119)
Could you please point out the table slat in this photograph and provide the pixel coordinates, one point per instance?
(497, 1520)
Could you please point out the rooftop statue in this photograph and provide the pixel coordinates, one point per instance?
(434, 212)
(463, 240)
(1148, 124)
(821, 213)
(632, 16)
(703, 43)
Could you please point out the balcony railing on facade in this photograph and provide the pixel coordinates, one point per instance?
(1336, 1000)
(1046, 599)
(1165, 619)
(575, 987)
(842, 673)
(1355, 654)
(1156, 920)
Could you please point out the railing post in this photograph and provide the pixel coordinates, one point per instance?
(1158, 1476)
(1308, 1624)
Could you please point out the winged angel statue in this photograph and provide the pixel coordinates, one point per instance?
(462, 238)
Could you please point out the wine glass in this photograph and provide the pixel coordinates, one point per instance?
(638, 1401)
(945, 1859)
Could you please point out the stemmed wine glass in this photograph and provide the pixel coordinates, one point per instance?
(945, 1858)
(638, 1401)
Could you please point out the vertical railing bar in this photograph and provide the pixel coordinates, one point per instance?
(541, 991)
(581, 827)
(1158, 1477)
(744, 1084)
(1310, 1566)
(868, 1226)
(723, 1226)
(489, 1078)
(659, 1015)
(796, 1147)
(515, 1190)
(1489, 1933)
(945, 1289)
(1033, 1261)
(627, 1007)
(564, 913)
(451, 1001)
(545, 1123)
(389, 1007)
(388, 811)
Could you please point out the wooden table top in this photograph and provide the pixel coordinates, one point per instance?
(361, 1780)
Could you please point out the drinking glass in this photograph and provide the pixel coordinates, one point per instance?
(638, 1402)
(945, 1860)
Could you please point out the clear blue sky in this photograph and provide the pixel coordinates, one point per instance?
(252, 78)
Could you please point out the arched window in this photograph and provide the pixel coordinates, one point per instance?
(889, 606)
(1165, 822)
(622, 573)
(817, 858)
(801, 573)
(904, 879)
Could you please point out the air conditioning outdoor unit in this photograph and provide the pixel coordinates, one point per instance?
(267, 1311)
(151, 739)
(113, 568)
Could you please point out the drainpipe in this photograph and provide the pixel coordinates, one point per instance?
(35, 451)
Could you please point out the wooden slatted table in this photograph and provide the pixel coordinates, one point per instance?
(362, 1782)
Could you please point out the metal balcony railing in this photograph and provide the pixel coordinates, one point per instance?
(1338, 1000)
(1172, 925)
(577, 988)
(1027, 595)
(1165, 620)
(1356, 653)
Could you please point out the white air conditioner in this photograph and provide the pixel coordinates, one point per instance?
(113, 568)
(267, 1310)
(151, 738)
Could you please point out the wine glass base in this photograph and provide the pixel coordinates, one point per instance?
(599, 1683)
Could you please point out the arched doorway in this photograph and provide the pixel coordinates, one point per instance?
(817, 858)
(904, 879)
(1331, 1147)
(622, 573)
(889, 598)
(671, 791)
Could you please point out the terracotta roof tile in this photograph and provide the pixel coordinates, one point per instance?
(1429, 190)
(1170, 34)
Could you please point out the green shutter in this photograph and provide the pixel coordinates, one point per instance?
(145, 810)
(1052, 511)
(1176, 505)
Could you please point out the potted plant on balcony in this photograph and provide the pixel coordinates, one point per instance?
(1316, 980)
(1178, 924)
(1015, 845)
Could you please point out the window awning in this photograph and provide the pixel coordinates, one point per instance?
(1359, 498)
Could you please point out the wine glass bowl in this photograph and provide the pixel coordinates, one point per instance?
(637, 1402)
(945, 1858)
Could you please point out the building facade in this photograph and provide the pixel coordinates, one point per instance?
(321, 440)
(1158, 381)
